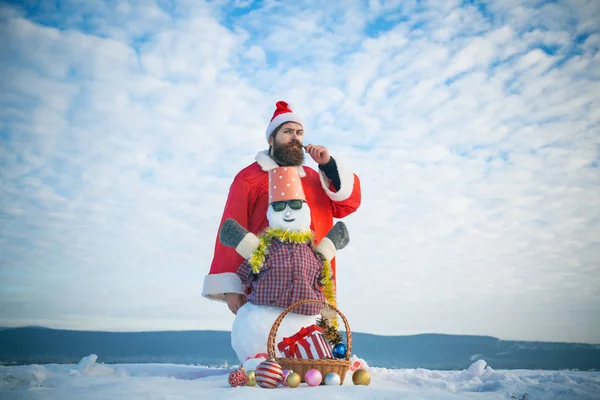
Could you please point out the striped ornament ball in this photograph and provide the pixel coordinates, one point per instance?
(269, 374)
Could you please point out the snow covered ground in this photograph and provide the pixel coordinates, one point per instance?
(91, 380)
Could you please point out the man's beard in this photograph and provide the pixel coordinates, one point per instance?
(288, 154)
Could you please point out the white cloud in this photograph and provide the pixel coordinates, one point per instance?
(120, 139)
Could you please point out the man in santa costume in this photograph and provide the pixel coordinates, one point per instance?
(332, 192)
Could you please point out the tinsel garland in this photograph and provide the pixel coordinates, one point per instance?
(328, 290)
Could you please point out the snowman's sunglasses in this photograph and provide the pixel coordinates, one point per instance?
(280, 205)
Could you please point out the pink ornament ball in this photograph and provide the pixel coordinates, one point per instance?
(269, 374)
(313, 377)
(237, 377)
(286, 372)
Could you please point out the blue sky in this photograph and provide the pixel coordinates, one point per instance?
(474, 127)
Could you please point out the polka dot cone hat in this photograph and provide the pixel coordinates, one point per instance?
(285, 184)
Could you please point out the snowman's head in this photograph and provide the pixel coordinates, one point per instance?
(289, 215)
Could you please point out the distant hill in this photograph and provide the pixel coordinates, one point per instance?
(38, 345)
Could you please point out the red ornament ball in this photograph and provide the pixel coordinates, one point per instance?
(269, 374)
(237, 377)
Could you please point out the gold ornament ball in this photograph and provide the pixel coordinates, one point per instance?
(361, 377)
(251, 378)
(293, 380)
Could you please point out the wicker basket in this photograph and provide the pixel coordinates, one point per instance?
(301, 366)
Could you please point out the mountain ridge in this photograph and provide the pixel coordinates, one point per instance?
(41, 345)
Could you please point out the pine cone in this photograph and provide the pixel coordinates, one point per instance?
(333, 336)
(331, 333)
(323, 323)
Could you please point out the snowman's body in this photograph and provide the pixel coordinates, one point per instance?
(287, 212)
(251, 329)
(253, 322)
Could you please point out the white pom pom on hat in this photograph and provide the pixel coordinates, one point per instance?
(283, 113)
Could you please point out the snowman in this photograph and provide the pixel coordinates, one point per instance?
(282, 266)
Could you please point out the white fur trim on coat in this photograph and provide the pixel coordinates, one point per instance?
(326, 248)
(267, 163)
(216, 285)
(346, 183)
(247, 245)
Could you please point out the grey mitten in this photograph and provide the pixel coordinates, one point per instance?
(339, 235)
(232, 234)
(336, 239)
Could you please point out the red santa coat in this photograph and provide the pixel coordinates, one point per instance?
(248, 201)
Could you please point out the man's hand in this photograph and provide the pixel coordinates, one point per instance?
(318, 153)
(235, 301)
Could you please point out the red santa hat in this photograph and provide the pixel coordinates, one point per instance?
(283, 113)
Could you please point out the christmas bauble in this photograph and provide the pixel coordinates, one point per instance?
(286, 372)
(313, 377)
(269, 374)
(339, 350)
(361, 377)
(237, 377)
(293, 380)
(251, 378)
(333, 379)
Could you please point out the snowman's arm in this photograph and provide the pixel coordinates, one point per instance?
(244, 272)
(337, 238)
(232, 234)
